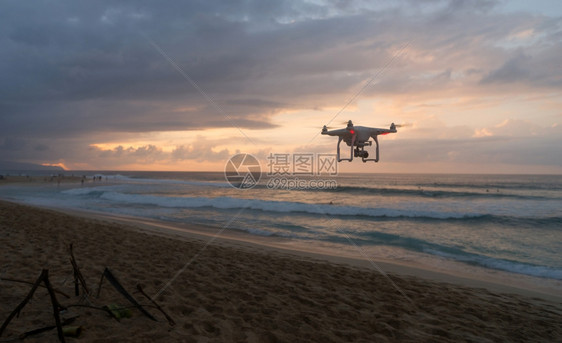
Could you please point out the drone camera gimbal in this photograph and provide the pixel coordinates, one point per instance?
(357, 149)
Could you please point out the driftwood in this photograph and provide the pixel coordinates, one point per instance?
(170, 320)
(44, 277)
(56, 306)
(78, 278)
(47, 328)
(117, 285)
(31, 283)
(99, 284)
(36, 331)
(43, 281)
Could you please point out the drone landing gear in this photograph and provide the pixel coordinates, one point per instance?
(352, 143)
(360, 151)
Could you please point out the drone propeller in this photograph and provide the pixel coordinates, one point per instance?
(338, 127)
(403, 125)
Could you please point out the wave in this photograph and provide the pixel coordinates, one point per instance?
(421, 246)
(115, 195)
(528, 184)
(431, 193)
(502, 264)
(275, 206)
(129, 179)
(460, 255)
(229, 203)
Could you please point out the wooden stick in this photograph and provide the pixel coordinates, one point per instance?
(40, 330)
(36, 331)
(170, 320)
(56, 306)
(76, 287)
(113, 280)
(77, 274)
(44, 277)
(99, 285)
(23, 303)
(31, 283)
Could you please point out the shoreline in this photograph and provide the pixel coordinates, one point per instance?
(313, 253)
(481, 267)
(500, 282)
(239, 291)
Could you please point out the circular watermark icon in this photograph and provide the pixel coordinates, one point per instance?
(242, 171)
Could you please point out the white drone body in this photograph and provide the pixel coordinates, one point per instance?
(357, 138)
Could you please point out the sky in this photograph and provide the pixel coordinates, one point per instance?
(184, 85)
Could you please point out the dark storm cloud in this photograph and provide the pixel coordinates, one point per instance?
(61, 64)
(513, 70)
(533, 68)
(13, 144)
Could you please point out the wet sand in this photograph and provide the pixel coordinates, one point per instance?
(221, 290)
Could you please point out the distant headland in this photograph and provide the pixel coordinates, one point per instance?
(10, 166)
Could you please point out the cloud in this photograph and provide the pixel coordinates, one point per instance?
(514, 69)
(517, 128)
(143, 154)
(13, 144)
(74, 71)
(511, 142)
(528, 69)
(200, 150)
(484, 151)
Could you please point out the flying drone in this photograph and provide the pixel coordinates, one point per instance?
(358, 137)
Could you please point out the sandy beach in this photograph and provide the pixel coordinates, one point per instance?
(227, 292)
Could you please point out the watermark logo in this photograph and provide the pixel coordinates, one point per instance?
(285, 169)
(295, 183)
(302, 164)
(243, 171)
(297, 171)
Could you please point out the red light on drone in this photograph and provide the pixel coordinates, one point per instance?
(352, 132)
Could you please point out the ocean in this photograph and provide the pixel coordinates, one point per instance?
(508, 224)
